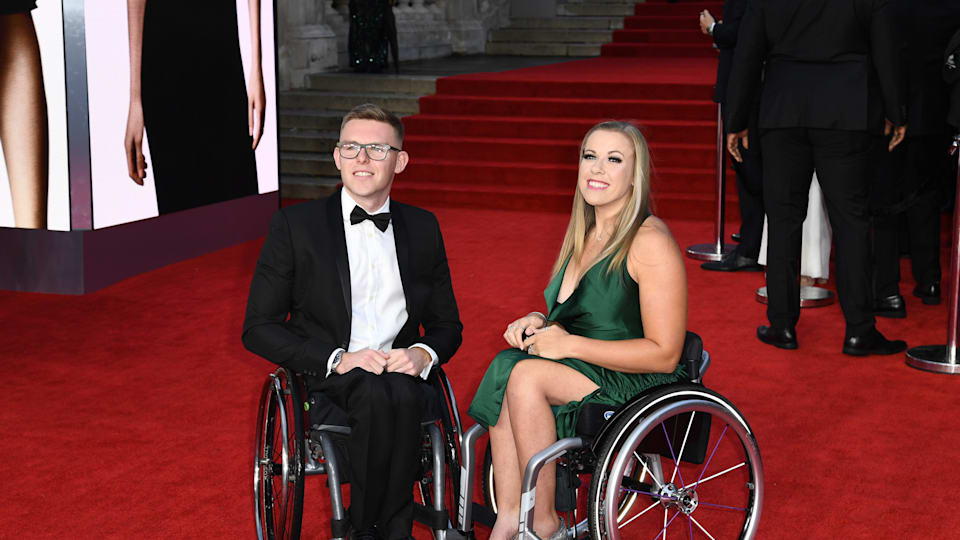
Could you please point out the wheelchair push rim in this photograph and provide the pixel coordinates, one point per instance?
(278, 460)
(718, 495)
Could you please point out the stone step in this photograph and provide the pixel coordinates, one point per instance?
(526, 35)
(308, 164)
(302, 119)
(687, 9)
(317, 100)
(375, 83)
(592, 8)
(659, 50)
(622, 2)
(308, 140)
(660, 23)
(671, 35)
(307, 187)
(580, 23)
(543, 49)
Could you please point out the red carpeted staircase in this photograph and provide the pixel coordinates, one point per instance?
(510, 140)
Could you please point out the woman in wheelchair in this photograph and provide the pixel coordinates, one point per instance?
(615, 324)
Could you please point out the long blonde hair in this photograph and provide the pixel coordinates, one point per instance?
(583, 217)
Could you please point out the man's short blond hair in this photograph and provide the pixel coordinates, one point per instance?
(369, 111)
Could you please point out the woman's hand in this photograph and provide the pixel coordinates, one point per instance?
(256, 106)
(550, 342)
(523, 327)
(133, 143)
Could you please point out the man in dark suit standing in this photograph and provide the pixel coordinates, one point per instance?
(830, 80)
(908, 179)
(750, 170)
(340, 292)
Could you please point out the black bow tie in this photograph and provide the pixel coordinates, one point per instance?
(382, 221)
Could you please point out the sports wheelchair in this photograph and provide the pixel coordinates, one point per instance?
(290, 447)
(677, 459)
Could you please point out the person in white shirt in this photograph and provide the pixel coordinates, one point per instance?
(340, 293)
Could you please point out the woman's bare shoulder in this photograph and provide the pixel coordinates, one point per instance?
(652, 238)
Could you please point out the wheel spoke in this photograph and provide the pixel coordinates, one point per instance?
(676, 463)
(683, 445)
(663, 531)
(647, 469)
(721, 506)
(690, 526)
(699, 526)
(642, 512)
(714, 451)
(719, 474)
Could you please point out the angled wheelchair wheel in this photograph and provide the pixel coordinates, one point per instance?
(278, 463)
(681, 462)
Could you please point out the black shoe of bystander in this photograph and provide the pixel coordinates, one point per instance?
(733, 263)
(784, 338)
(892, 306)
(872, 342)
(928, 294)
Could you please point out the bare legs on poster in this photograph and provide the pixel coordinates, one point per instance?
(23, 120)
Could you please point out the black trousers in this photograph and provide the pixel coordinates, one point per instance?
(750, 194)
(384, 413)
(904, 193)
(840, 159)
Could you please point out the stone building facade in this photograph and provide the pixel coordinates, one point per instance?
(312, 34)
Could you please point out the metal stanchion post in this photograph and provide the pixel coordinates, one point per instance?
(716, 250)
(943, 358)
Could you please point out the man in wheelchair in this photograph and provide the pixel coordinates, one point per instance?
(340, 292)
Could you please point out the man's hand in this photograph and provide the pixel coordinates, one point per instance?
(733, 144)
(521, 328)
(706, 19)
(411, 361)
(899, 133)
(550, 342)
(366, 359)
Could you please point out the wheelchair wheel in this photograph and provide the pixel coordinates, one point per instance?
(450, 430)
(278, 463)
(490, 498)
(700, 474)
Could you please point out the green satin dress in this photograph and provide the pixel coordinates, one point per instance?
(603, 306)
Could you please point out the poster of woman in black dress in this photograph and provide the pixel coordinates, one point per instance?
(187, 89)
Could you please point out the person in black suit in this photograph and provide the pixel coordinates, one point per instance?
(830, 80)
(340, 292)
(907, 180)
(750, 170)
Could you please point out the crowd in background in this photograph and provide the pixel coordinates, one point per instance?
(852, 97)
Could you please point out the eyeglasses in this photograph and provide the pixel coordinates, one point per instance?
(375, 151)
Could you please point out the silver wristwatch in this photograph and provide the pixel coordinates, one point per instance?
(336, 361)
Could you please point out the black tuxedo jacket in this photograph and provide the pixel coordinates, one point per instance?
(725, 37)
(828, 64)
(925, 27)
(298, 311)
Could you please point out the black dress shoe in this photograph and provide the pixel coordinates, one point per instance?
(735, 237)
(733, 263)
(928, 294)
(872, 342)
(891, 306)
(784, 338)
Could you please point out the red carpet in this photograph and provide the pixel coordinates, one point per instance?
(517, 132)
(129, 413)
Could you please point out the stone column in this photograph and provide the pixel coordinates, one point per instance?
(305, 44)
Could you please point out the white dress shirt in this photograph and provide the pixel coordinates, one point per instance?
(377, 304)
